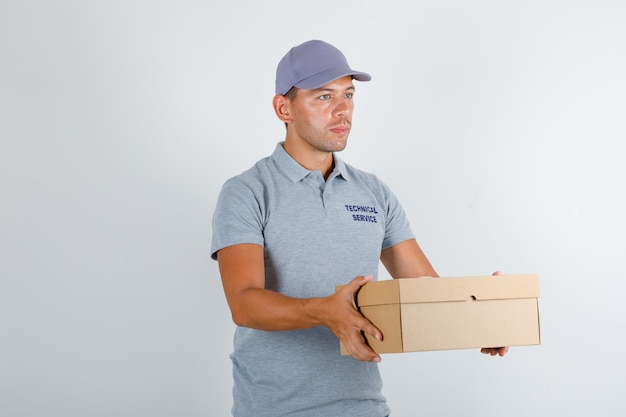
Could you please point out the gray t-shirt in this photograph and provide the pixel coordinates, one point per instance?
(316, 234)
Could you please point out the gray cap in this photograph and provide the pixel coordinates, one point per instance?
(311, 65)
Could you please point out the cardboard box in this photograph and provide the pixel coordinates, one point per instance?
(424, 314)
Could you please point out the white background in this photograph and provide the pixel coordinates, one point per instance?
(499, 124)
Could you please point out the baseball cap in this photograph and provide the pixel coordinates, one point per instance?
(311, 65)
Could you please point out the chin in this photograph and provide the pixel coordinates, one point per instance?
(337, 146)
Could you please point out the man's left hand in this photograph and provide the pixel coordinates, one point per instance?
(495, 351)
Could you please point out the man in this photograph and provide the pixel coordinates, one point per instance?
(290, 229)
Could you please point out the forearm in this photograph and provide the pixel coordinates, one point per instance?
(268, 310)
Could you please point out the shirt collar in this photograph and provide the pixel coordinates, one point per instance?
(295, 172)
(340, 168)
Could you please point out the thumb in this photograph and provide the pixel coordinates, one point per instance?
(360, 281)
(355, 285)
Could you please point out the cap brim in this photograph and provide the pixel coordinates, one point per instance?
(324, 77)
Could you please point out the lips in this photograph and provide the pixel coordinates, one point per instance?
(340, 130)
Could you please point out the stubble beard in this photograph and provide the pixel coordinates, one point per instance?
(323, 140)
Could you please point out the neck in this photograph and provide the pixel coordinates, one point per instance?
(311, 158)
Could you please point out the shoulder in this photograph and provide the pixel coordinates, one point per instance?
(243, 196)
(253, 179)
(367, 179)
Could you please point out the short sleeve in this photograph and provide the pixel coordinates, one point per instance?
(238, 217)
(397, 228)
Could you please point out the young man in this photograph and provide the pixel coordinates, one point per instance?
(290, 229)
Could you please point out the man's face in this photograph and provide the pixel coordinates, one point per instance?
(322, 117)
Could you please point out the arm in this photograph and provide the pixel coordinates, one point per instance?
(406, 260)
(243, 277)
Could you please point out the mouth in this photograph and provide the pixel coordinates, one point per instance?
(340, 130)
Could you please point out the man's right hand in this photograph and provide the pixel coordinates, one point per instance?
(340, 314)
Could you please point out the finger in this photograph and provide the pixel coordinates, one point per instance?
(501, 351)
(356, 342)
(358, 348)
(372, 330)
(361, 326)
(359, 281)
(366, 354)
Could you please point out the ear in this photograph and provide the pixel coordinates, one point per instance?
(282, 108)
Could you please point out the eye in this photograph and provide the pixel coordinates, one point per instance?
(325, 97)
(349, 95)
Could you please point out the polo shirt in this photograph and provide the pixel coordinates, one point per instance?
(316, 234)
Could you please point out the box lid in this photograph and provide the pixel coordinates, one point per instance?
(427, 289)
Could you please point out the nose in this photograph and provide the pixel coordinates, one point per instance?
(344, 107)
